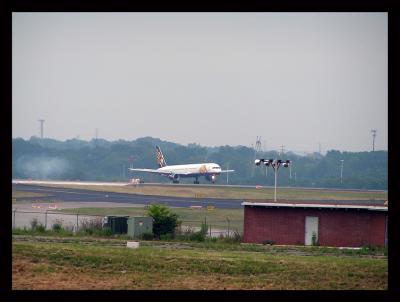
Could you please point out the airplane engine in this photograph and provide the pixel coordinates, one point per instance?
(174, 178)
(211, 178)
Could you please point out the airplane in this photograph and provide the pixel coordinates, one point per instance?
(175, 172)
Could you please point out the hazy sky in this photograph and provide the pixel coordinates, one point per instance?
(295, 79)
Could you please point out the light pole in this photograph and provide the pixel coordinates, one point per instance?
(227, 168)
(341, 172)
(275, 164)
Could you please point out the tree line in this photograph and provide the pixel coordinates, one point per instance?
(102, 160)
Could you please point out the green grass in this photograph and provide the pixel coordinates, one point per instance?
(173, 268)
(22, 194)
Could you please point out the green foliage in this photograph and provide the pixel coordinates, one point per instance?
(103, 160)
(201, 234)
(147, 236)
(40, 228)
(166, 237)
(164, 221)
(57, 226)
(36, 226)
(34, 222)
(93, 226)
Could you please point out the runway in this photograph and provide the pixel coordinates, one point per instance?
(84, 195)
(122, 184)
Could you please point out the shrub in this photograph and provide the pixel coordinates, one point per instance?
(36, 226)
(40, 228)
(34, 222)
(94, 226)
(197, 236)
(57, 226)
(147, 236)
(237, 237)
(168, 236)
(164, 221)
(105, 231)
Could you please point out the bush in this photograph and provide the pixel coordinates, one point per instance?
(40, 228)
(91, 225)
(36, 226)
(164, 221)
(105, 232)
(147, 236)
(57, 226)
(34, 222)
(168, 236)
(236, 237)
(197, 236)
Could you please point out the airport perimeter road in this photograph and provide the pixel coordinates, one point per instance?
(84, 195)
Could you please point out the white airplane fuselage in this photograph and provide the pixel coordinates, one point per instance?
(175, 172)
(192, 170)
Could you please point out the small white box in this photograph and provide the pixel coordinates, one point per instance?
(132, 244)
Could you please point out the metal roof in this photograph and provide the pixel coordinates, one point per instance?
(372, 206)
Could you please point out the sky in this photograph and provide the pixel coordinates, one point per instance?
(307, 81)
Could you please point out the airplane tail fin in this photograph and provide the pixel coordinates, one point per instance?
(160, 158)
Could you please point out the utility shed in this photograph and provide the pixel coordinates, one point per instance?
(139, 225)
(326, 223)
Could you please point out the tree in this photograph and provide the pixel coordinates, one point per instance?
(164, 222)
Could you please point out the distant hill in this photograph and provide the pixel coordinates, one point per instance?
(109, 161)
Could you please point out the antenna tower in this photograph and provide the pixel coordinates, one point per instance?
(373, 139)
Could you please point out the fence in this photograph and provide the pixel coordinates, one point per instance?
(23, 219)
(47, 218)
(216, 228)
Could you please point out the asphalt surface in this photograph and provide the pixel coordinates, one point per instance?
(96, 183)
(84, 195)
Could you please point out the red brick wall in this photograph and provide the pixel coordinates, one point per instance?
(337, 227)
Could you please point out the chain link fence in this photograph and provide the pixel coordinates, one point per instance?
(74, 222)
(24, 219)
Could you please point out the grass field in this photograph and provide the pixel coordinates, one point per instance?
(53, 265)
(218, 218)
(234, 192)
(21, 194)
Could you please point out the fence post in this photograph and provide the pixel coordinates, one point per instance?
(45, 221)
(14, 218)
(77, 222)
(210, 230)
(227, 218)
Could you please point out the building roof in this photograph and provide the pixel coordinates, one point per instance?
(373, 205)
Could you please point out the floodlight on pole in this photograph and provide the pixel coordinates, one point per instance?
(341, 172)
(274, 164)
(227, 178)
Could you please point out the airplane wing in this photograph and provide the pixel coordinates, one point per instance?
(226, 171)
(149, 171)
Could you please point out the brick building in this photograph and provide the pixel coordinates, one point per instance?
(327, 223)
